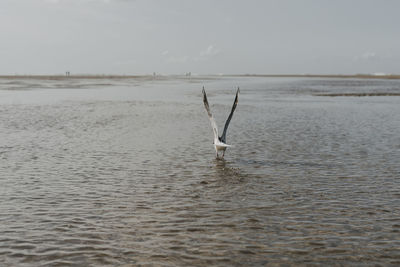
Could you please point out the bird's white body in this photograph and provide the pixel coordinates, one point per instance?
(219, 146)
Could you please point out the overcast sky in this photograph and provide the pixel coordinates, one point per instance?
(204, 36)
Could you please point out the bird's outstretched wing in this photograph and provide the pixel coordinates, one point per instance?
(223, 137)
(213, 124)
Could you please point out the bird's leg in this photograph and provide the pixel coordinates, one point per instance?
(216, 154)
(223, 153)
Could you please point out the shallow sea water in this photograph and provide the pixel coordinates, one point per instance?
(122, 172)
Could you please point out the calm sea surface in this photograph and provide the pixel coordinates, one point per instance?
(122, 172)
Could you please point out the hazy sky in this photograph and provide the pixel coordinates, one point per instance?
(204, 36)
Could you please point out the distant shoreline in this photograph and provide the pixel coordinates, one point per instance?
(352, 76)
(84, 76)
(94, 76)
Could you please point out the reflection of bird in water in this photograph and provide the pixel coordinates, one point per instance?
(219, 141)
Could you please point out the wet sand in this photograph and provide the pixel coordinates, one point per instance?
(118, 172)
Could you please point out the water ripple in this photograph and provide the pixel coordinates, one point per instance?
(135, 182)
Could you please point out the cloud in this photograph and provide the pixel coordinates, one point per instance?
(127, 62)
(203, 55)
(181, 59)
(175, 59)
(208, 53)
(367, 56)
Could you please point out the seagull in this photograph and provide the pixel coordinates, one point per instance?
(219, 141)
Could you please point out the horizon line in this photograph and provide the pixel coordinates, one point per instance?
(190, 75)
